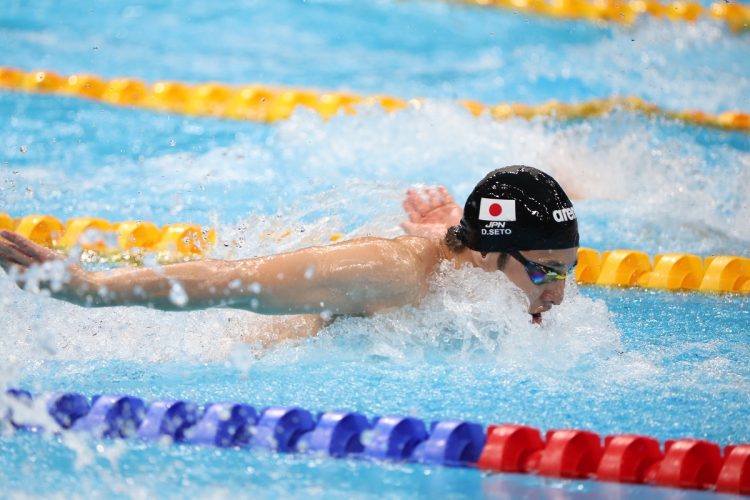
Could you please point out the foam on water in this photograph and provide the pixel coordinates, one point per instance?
(639, 188)
(466, 310)
(673, 64)
(645, 183)
(655, 169)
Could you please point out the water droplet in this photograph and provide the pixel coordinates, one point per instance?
(177, 295)
(366, 437)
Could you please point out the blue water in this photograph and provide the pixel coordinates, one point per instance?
(661, 364)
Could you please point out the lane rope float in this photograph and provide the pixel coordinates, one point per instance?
(128, 242)
(270, 104)
(105, 241)
(567, 453)
(670, 271)
(735, 15)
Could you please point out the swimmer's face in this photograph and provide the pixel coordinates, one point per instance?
(541, 296)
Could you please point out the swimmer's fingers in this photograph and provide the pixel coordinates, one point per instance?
(436, 197)
(407, 203)
(415, 205)
(11, 256)
(29, 248)
(446, 196)
(417, 202)
(12, 266)
(412, 206)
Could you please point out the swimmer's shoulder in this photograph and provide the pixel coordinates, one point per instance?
(430, 252)
(427, 251)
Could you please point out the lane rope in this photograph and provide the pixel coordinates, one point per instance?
(270, 104)
(568, 453)
(670, 271)
(735, 15)
(101, 241)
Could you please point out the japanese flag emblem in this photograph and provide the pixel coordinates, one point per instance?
(497, 210)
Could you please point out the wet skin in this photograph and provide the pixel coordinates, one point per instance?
(355, 277)
(542, 297)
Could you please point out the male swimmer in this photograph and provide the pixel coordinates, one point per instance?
(517, 220)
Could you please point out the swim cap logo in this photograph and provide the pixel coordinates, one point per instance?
(497, 210)
(564, 214)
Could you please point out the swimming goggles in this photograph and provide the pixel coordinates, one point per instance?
(539, 274)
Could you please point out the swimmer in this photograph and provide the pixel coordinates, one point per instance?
(517, 220)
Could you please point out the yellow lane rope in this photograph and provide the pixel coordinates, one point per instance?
(102, 241)
(672, 271)
(133, 240)
(270, 104)
(735, 15)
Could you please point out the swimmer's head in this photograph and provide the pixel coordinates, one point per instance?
(518, 208)
(519, 220)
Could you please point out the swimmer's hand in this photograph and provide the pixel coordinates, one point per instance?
(19, 254)
(431, 212)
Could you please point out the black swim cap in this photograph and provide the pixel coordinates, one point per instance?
(518, 208)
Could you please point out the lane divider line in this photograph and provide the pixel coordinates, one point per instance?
(567, 453)
(736, 15)
(270, 104)
(105, 241)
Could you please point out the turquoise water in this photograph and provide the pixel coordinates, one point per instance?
(662, 364)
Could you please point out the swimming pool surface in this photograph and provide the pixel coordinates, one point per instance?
(669, 365)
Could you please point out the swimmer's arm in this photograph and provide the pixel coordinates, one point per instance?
(355, 277)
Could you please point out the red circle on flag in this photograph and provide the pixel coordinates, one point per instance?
(496, 209)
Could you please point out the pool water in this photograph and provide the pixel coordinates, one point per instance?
(669, 365)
